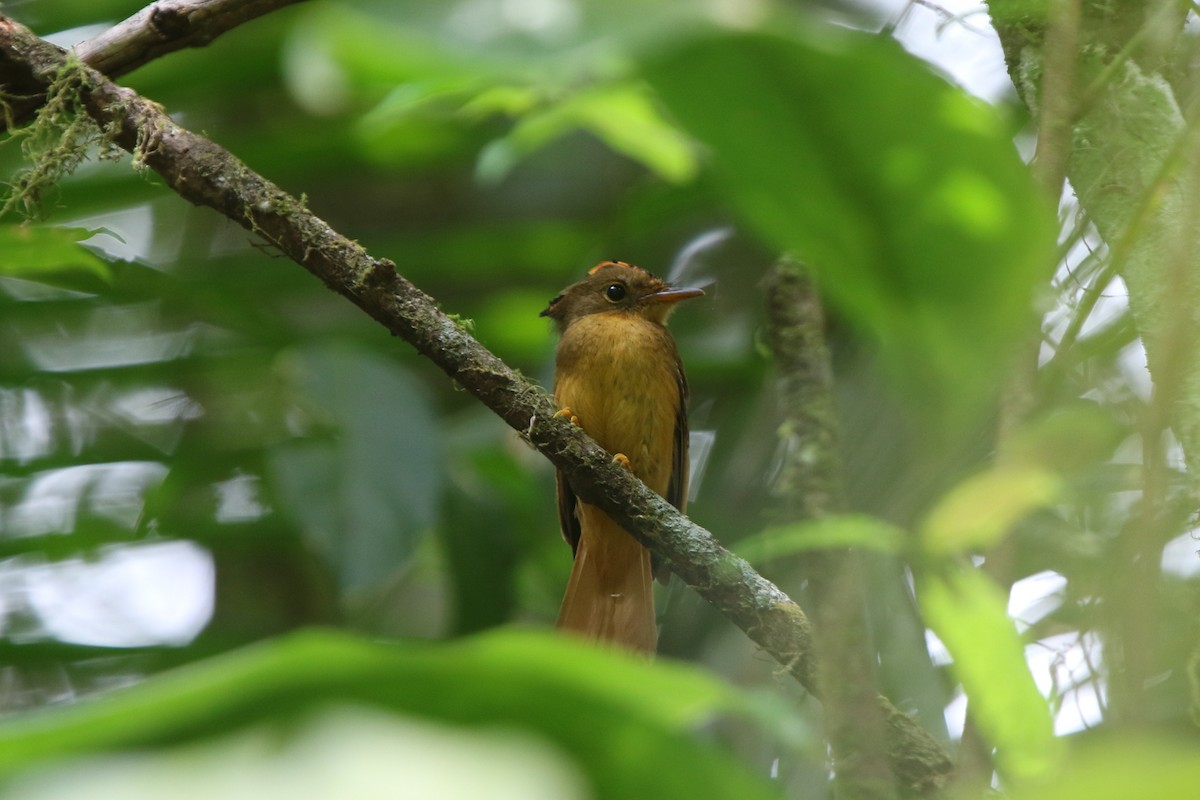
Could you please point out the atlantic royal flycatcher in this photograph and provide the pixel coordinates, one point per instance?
(619, 377)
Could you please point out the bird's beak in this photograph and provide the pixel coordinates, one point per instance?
(673, 295)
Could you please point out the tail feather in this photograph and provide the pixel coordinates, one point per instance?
(610, 594)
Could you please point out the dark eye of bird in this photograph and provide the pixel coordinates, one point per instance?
(615, 292)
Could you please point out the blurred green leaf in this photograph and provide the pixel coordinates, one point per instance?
(968, 613)
(906, 195)
(434, 89)
(1115, 769)
(511, 101)
(347, 753)
(620, 114)
(842, 530)
(368, 492)
(636, 741)
(420, 137)
(52, 254)
(1068, 437)
(372, 54)
(982, 509)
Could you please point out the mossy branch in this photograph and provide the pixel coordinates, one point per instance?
(809, 486)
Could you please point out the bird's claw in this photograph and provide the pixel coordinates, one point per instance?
(623, 460)
(569, 414)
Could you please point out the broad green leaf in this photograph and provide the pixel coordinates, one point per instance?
(51, 254)
(426, 136)
(1120, 768)
(347, 753)
(905, 194)
(368, 490)
(982, 509)
(636, 741)
(844, 530)
(968, 613)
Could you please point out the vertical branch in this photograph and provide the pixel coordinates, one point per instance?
(1056, 105)
(808, 487)
(1161, 514)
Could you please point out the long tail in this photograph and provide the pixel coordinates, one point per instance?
(610, 594)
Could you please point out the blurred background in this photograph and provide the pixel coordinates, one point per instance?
(201, 446)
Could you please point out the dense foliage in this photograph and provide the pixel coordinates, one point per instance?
(203, 450)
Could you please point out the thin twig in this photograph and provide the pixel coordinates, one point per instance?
(158, 29)
(166, 26)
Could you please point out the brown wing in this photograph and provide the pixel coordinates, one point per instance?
(677, 487)
(566, 512)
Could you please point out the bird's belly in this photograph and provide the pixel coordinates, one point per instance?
(625, 392)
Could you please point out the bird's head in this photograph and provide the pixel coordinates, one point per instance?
(614, 286)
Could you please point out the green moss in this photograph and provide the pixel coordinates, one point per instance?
(57, 140)
(465, 324)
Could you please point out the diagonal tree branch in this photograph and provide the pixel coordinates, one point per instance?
(206, 174)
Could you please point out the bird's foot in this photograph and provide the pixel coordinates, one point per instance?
(623, 460)
(569, 414)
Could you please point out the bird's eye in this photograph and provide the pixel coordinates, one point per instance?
(615, 292)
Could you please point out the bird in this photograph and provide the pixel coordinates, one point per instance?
(619, 377)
